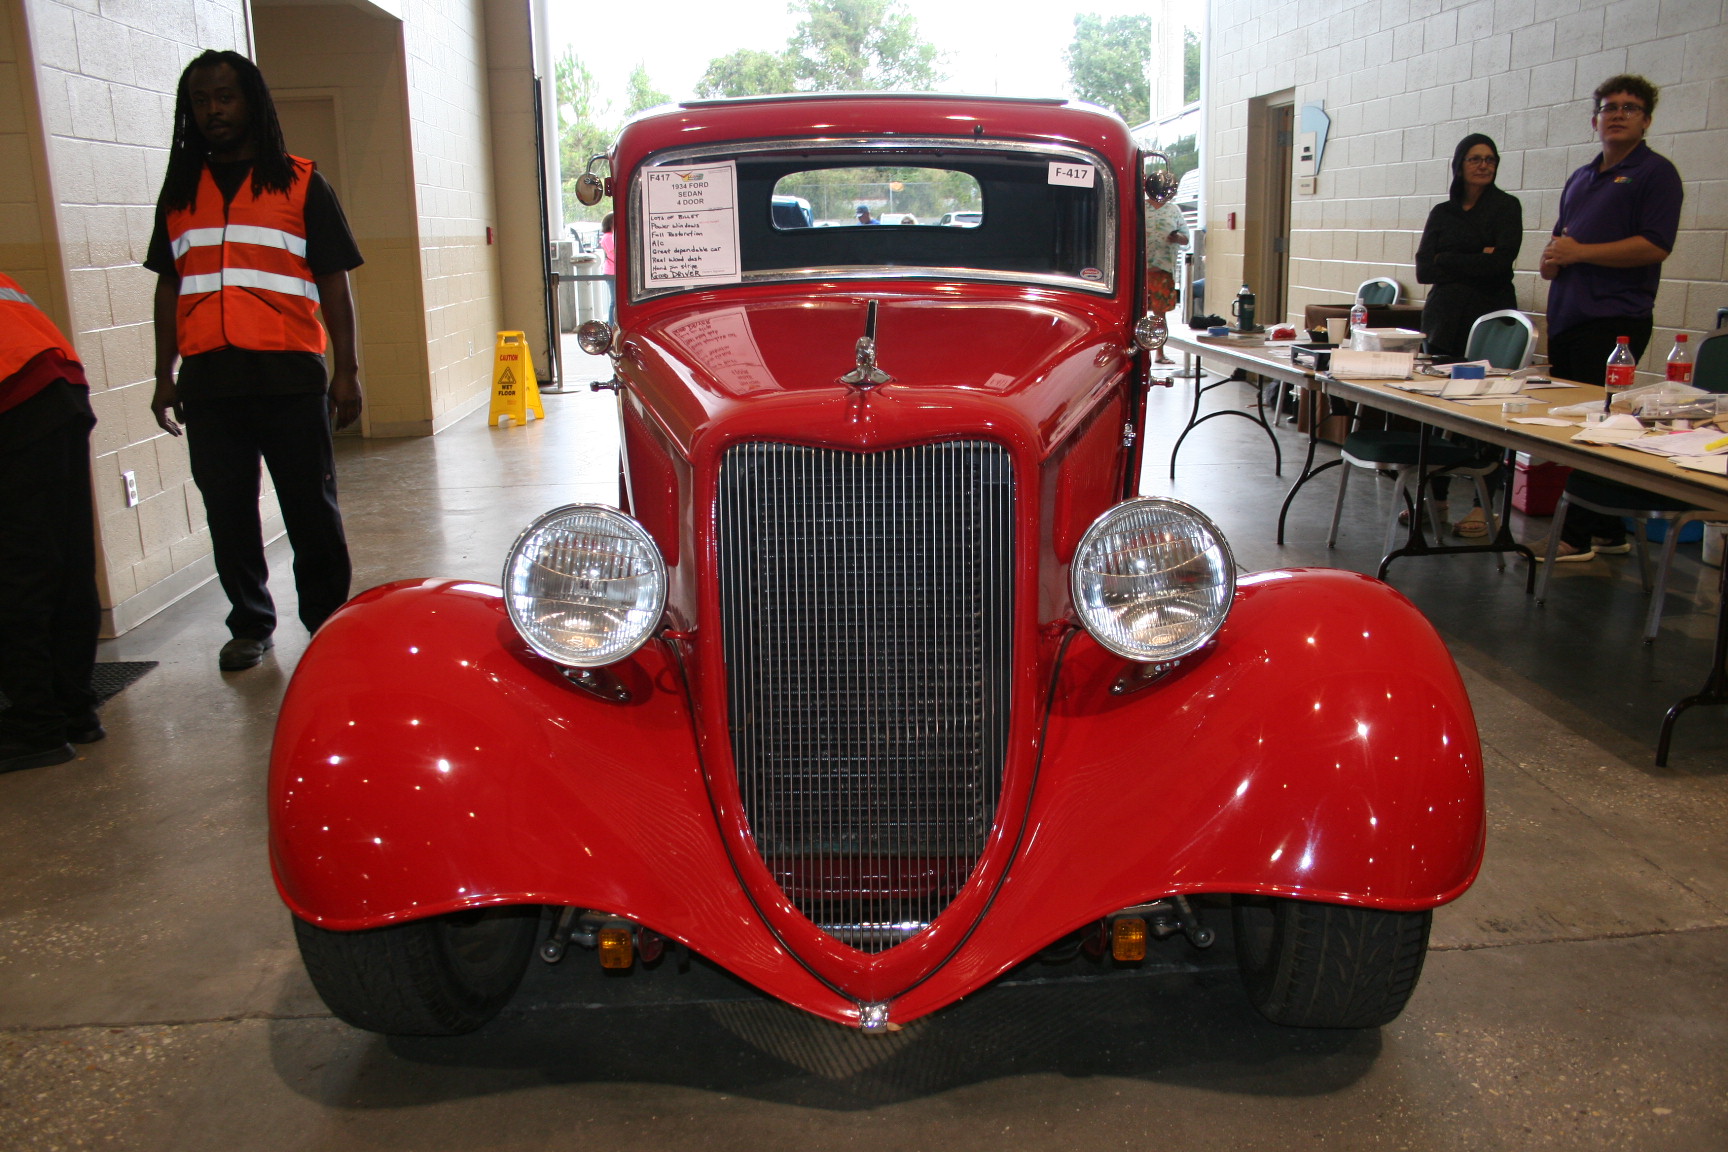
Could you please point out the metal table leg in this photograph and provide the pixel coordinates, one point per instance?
(1258, 416)
(1715, 690)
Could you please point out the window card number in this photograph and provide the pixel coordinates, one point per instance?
(1073, 175)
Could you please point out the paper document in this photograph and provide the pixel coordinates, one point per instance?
(1606, 434)
(1697, 443)
(1497, 386)
(1716, 464)
(1372, 365)
(691, 236)
(1545, 421)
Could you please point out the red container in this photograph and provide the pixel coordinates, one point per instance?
(1537, 484)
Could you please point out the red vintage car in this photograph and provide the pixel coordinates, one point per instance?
(883, 678)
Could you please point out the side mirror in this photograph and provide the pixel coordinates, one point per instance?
(590, 189)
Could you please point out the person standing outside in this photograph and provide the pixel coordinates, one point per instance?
(609, 263)
(49, 612)
(250, 245)
(1619, 215)
(1166, 235)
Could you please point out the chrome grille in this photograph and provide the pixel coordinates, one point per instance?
(866, 600)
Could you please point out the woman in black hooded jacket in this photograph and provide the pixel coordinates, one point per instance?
(1468, 248)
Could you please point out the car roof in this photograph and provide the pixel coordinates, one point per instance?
(874, 114)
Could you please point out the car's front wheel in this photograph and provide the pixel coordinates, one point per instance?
(437, 977)
(1326, 965)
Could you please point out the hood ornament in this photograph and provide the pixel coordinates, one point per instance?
(866, 373)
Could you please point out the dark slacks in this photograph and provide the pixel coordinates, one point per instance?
(49, 613)
(226, 439)
(1581, 353)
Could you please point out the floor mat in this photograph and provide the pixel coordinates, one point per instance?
(109, 680)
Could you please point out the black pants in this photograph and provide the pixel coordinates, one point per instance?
(1581, 353)
(49, 613)
(226, 438)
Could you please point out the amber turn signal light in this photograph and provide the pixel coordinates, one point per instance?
(617, 950)
(1128, 939)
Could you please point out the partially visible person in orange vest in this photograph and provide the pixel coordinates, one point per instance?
(49, 613)
(250, 245)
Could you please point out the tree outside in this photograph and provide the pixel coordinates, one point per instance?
(1107, 63)
(584, 129)
(1190, 66)
(640, 93)
(838, 46)
(747, 72)
(861, 46)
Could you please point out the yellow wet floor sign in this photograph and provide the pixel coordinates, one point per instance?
(515, 392)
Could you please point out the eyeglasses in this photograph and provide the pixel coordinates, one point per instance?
(1483, 161)
(1620, 109)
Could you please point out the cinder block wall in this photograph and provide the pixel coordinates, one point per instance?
(104, 79)
(356, 59)
(447, 79)
(1404, 80)
(86, 114)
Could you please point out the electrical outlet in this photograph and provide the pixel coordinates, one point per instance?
(131, 479)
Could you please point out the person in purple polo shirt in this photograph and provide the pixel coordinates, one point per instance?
(1618, 218)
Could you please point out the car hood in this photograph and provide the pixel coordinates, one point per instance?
(1035, 359)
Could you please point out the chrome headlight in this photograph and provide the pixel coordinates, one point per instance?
(585, 585)
(1152, 579)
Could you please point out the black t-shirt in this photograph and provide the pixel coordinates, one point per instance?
(330, 248)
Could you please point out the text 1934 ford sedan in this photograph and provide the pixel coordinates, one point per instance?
(883, 679)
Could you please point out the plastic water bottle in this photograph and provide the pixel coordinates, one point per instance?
(1622, 369)
(1358, 317)
(1680, 361)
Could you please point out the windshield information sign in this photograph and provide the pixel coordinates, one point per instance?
(691, 232)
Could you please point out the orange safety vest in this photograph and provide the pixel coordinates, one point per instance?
(244, 279)
(25, 330)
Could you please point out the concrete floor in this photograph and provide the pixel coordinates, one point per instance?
(151, 996)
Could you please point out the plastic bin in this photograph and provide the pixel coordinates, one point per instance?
(1537, 484)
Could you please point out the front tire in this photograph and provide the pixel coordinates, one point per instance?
(1326, 965)
(438, 977)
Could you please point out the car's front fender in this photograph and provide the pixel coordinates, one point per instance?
(1323, 748)
(426, 760)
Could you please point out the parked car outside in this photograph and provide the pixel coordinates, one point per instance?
(884, 677)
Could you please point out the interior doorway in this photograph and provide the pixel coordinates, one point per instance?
(1266, 244)
(312, 128)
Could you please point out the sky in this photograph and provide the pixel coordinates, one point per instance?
(990, 49)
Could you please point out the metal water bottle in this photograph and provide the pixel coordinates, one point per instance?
(1243, 309)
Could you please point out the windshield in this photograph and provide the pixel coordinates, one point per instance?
(806, 210)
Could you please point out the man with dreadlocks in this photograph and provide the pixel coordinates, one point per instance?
(250, 244)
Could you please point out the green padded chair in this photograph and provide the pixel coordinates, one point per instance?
(1379, 292)
(1506, 339)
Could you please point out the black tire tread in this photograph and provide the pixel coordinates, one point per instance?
(1332, 966)
(398, 979)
